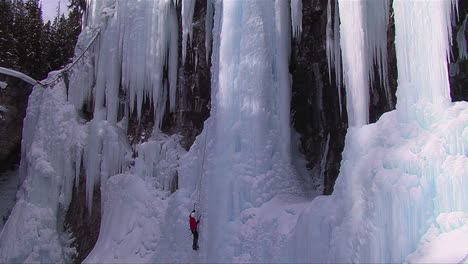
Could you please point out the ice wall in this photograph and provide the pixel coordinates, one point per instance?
(50, 161)
(423, 85)
(138, 41)
(401, 193)
(250, 111)
(133, 61)
(401, 190)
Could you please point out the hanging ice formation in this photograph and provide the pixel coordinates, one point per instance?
(401, 192)
(363, 27)
(138, 42)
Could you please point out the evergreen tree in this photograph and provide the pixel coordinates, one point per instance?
(8, 53)
(47, 45)
(73, 30)
(58, 55)
(34, 25)
(20, 34)
(32, 47)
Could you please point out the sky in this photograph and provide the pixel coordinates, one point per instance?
(49, 8)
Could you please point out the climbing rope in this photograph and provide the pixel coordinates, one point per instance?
(64, 73)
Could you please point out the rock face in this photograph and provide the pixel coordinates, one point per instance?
(194, 82)
(13, 103)
(459, 66)
(314, 104)
(83, 224)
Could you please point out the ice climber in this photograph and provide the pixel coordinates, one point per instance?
(193, 228)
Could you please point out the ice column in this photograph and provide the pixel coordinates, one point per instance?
(355, 68)
(363, 37)
(422, 33)
(251, 96)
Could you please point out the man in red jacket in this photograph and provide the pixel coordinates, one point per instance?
(193, 228)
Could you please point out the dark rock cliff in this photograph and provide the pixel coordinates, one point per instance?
(459, 66)
(13, 102)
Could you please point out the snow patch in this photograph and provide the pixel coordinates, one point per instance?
(18, 75)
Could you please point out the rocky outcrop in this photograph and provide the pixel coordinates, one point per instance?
(13, 103)
(459, 66)
(83, 224)
(316, 112)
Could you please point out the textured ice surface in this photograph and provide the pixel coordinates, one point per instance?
(401, 194)
(47, 172)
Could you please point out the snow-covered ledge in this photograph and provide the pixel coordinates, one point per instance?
(19, 75)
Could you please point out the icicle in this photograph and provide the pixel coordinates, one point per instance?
(329, 43)
(377, 19)
(355, 68)
(337, 53)
(333, 46)
(296, 18)
(173, 58)
(196, 60)
(461, 41)
(208, 29)
(283, 36)
(188, 8)
(422, 78)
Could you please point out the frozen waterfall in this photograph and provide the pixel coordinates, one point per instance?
(402, 192)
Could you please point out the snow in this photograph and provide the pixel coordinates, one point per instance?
(391, 172)
(446, 241)
(130, 230)
(18, 75)
(401, 194)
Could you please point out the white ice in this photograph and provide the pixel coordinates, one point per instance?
(401, 194)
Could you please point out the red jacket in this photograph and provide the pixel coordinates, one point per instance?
(193, 223)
